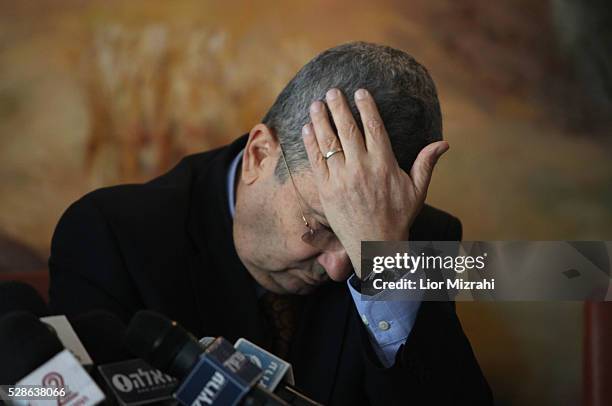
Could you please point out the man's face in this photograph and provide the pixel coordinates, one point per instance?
(268, 226)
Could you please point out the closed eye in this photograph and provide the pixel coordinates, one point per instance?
(327, 228)
(322, 225)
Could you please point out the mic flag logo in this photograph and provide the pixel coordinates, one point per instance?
(222, 376)
(62, 372)
(136, 382)
(55, 380)
(275, 370)
(255, 361)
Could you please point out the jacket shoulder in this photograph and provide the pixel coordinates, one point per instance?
(139, 218)
(433, 224)
(165, 198)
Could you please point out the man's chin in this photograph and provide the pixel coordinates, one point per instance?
(296, 286)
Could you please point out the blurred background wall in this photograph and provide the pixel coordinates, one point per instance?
(94, 93)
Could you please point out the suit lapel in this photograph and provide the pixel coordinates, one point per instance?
(317, 348)
(224, 289)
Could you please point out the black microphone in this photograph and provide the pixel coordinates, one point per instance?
(217, 375)
(102, 332)
(16, 296)
(32, 354)
(25, 344)
(163, 343)
(126, 380)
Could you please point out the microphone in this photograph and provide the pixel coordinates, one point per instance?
(33, 355)
(277, 373)
(135, 382)
(127, 380)
(19, 296)
(25, 344)
(102, 332)
(217, 375)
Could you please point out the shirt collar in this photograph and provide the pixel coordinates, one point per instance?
(231, 182)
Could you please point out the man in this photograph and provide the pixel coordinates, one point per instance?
(275, 220)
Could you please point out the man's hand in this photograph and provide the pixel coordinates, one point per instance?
(366, 196)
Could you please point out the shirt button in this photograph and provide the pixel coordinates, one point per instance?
(384, 325)
(364, 319)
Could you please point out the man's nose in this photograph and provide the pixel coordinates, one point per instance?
(336, 263)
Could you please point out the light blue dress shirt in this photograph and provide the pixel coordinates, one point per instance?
(388, 321)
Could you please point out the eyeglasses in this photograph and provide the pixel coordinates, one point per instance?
(317, 235)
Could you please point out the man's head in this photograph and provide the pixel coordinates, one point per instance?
(268, 224)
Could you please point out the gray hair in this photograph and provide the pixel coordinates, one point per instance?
(404, 92)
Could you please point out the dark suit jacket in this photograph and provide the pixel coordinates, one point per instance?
(167, 246)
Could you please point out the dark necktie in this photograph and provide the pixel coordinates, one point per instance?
(282, 312)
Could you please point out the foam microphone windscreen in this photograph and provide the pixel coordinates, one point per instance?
(25, 344)
(102, 333)
(145, 332)
(19, 296)
(162, 343)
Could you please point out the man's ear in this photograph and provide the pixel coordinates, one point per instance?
(260, 154)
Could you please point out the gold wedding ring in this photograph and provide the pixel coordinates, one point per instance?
(331, 153)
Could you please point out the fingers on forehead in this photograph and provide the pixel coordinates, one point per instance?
(315, 157)
(346, 127)
(376, 137)
(326, 136)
